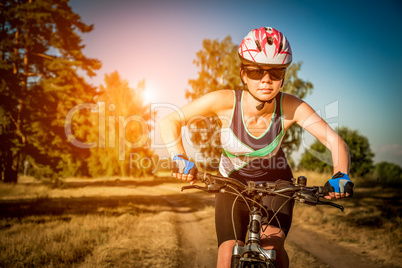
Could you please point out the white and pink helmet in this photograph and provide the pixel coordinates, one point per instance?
(266, 47)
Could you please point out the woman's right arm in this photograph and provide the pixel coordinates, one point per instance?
(210, 104)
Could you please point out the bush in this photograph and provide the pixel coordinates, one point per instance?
(318, 157)
(388, 174)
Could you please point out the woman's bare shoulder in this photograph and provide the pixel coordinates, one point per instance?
(296, 109)
(211, 104)
(222, 99)
(289, 99)
(222, 93)
(290, 105)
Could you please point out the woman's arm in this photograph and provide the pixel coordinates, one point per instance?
(208, 105)
(308, 119)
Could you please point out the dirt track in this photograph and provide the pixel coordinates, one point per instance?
(195, 228)
(330, 254)
(198, 244)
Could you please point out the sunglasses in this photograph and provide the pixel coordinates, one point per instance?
(256, 73)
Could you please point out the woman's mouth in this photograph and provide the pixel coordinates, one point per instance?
(265, 90)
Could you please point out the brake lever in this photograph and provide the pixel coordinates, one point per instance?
(211, 188)
(319, 202)
(194, 187)
(314, 199)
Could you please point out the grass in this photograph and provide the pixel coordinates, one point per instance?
(300, 258)
(105, 226)
(88, 241)
(371, 223)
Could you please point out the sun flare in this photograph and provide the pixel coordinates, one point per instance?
(148, 95)
(150, 92)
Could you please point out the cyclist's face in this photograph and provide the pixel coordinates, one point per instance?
(267, 86)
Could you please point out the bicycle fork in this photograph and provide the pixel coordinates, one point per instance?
(252, 252)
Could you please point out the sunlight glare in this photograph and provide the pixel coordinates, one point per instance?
(150, 92)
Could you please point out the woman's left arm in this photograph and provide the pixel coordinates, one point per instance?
(308, 119)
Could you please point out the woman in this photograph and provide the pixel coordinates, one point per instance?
(254, 122)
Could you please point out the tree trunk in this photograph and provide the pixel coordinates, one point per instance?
(11, 162)
(10, 168)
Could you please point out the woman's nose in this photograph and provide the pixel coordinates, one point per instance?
(266, 77)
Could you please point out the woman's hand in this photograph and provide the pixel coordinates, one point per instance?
(183, 169)
(339, 186)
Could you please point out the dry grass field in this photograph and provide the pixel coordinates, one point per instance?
(126, 222)
(370, 224)
(100, 223)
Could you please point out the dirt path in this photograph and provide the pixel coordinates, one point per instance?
(332, 255)
(197, 238)
(198, 248)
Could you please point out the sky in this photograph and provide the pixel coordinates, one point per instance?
(351, 53)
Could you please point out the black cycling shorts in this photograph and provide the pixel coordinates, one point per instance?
(223, 215)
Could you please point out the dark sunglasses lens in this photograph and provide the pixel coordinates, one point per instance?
(255, 73)
(276, 74)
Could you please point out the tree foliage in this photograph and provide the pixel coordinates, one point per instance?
(219, 68)
(388, 174)
(41, 80)
(318, 157)
(122, 126)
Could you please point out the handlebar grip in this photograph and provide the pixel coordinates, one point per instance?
(323, 190)
(203, 177)
(208, 179)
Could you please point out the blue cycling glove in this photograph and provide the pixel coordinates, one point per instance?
(181, 164)
(340, 183)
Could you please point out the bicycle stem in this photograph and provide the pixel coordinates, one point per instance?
(253, 242)
(254, 227)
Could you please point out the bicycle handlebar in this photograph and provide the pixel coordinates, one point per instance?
(301, 193)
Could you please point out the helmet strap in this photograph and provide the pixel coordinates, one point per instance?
(260, 106)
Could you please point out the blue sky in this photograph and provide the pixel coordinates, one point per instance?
(351, 52)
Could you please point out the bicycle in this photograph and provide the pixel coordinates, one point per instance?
(252, 254)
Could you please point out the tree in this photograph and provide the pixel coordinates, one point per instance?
(41, 68)
(122, 130)
(318, 157)
(219, 66)
(388, 174)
